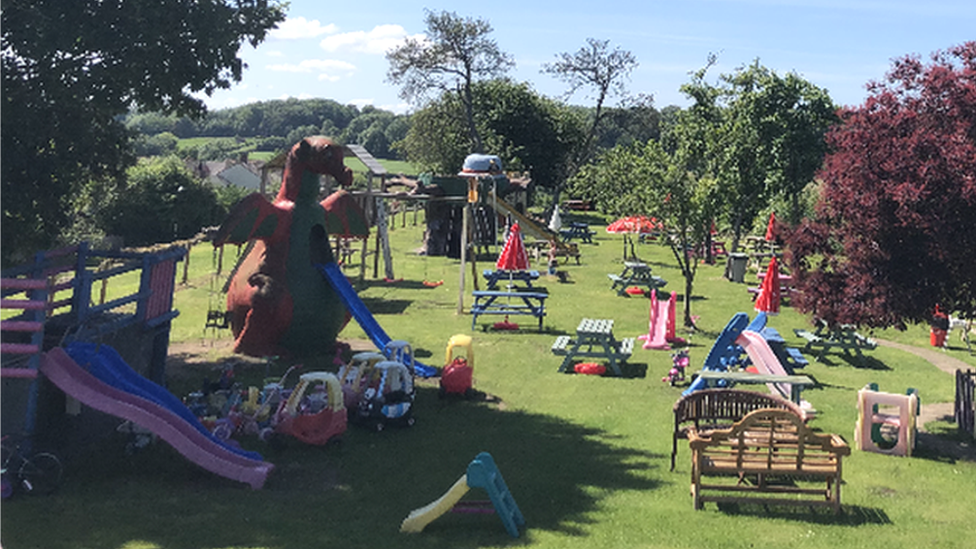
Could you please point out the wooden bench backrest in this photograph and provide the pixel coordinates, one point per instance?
(774, 439)
(711, 405)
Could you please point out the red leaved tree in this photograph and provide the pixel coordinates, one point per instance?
(895, 228)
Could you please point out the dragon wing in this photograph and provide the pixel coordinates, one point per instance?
(254, 217)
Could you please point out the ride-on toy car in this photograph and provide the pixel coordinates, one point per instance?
(356, 376)
(457, 373)
(390, 400)
(315, 416)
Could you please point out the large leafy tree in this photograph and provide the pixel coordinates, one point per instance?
(895, 229)
(72, 67)
(455, 53)
(528, 131)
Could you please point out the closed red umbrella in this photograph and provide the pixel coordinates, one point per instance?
(513, 256)
(768, 299)
(771, 227)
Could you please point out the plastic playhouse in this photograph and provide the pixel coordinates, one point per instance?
(886, 422)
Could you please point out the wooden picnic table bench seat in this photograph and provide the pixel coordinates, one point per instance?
(710, 409)
(492, 302)
(762, 459)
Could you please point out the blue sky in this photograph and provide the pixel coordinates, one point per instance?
(336, 50)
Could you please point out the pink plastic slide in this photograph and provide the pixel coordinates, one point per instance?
(763, 358)
(71, 378)
(656, 336)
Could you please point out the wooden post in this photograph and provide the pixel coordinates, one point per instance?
(464, 257)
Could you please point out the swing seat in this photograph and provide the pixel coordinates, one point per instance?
(218, 319)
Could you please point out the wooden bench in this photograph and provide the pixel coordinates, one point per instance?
(711, 409)
(486, 302)
(767, 453)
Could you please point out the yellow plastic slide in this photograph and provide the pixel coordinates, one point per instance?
(419, 518)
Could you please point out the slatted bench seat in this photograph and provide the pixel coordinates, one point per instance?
(763, 458)
(843, 338)
(491, 302)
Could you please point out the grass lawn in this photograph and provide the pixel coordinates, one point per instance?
(585, 457)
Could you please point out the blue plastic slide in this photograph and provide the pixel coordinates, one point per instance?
(105, 364)
(720, 350)
(366, 320)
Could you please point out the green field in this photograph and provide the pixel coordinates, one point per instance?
(585, 457)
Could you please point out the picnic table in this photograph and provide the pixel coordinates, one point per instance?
(635, 274)
(493, 278)
(518, 301)
(789, 384)
(843, 337)
(594, 339)
(577, 230)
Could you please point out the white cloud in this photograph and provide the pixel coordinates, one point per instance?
(314, 65)
(295, 28)
(377, 41)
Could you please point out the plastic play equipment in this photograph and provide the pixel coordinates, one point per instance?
(482, 473)
(366, 320)
(886, 422)
(315, 417)
(740, 336)
(679, 362)
(390, 401)
(106, 383)
(276, 301)
(357, 375)
(718, 357)
(458, 370)
(661, 329)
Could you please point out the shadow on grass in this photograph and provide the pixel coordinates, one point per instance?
(380, 306)
(398, 284)
(850, 515)
(861, 363)
(352, 495)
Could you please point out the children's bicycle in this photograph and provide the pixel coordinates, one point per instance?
(38, 473)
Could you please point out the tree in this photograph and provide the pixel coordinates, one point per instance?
(895, 229)
(72, 67)
(621, 179)
(528, 131)
(756, 133)
(160, 202)
(455, 53)
(594, 66)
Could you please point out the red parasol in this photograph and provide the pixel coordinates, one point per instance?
(768, 299)
(513, 256)
(771, 227)
(634, 225)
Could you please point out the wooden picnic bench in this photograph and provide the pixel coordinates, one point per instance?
(762, 459)
(710, 409)
(493, 302)
(635, 274)
(594, 339)
(786, 386)
(843, 337)
(577, 230)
